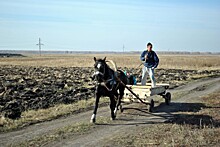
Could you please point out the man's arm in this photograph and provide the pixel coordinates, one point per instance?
(156, 59)
(142, 57)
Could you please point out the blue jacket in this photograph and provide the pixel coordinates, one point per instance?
(152, 60)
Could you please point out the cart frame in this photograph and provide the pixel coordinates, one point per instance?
(140, 93)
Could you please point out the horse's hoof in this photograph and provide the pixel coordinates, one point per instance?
(113, 118)
(115, 113)
(92, 120)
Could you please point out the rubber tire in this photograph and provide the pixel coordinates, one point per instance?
(168, 98)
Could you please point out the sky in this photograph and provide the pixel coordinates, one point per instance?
(104, 25)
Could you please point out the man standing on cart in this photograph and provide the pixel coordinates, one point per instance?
(151, 62)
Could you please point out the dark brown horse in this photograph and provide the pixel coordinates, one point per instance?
(108, 85)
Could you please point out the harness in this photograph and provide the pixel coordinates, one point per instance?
(111, 81)
(104, 82)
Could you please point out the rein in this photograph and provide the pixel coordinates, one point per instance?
(105, 82)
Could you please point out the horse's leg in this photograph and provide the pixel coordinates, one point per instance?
(93, 118)
(117, 102)
(112, 106)
(119, 97)
(121, 94)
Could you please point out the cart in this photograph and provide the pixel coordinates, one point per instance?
(140, 93)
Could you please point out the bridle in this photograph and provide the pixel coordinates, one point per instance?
(104, 82)
(98, 72)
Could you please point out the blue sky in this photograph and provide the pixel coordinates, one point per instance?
(103, 25)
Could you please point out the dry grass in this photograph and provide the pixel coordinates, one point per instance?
(213, 106)
(36, 116)
(185, 131)
(59, 134)
(66, 132)
(170, 135)
(197, 62)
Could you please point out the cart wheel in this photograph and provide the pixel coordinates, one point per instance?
(151, 106)
(168, 98)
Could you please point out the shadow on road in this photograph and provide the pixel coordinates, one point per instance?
(179, 107)
(174, 113)
(188, 118)
(196, 120)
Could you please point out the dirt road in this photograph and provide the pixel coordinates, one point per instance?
(134, 115)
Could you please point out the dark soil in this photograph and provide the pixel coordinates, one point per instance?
(24, 88)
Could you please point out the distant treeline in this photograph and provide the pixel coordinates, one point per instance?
(10, 55)
(17, 52)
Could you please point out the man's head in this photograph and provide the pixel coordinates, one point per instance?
(149, 46)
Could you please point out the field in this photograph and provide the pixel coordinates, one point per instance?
(35, 89)
(195, 62)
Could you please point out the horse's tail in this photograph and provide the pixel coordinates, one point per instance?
(115, 68)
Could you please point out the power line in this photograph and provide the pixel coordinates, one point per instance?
(39, 44)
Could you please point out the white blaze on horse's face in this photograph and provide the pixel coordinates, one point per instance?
(99, 65)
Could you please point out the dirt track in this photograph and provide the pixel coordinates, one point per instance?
(134, 115)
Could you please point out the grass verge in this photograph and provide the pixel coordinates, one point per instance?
(200, 128)
(64, 133)
(36, 116)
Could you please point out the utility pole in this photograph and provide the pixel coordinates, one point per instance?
(123, 48)
(39, 44)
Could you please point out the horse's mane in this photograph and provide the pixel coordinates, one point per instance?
(115, 68)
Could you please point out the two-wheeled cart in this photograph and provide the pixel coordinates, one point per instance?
(143, 93)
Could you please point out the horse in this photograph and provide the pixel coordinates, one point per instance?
(108, 84)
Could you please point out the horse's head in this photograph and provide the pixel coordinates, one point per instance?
(100, 69)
